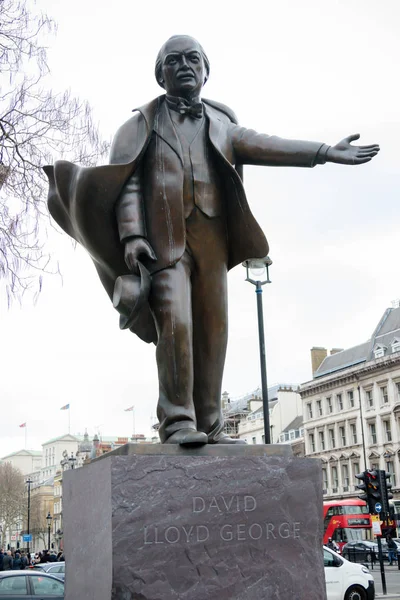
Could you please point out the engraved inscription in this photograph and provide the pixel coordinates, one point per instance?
(227, 532)
(224, 504)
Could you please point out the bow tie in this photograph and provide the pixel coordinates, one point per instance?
(183, 107)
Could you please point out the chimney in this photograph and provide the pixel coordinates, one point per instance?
(336, 350)
(317, 356)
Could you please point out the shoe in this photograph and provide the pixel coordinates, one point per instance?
(222, 438)
(187, 437)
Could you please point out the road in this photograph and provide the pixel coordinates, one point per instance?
(392, 580)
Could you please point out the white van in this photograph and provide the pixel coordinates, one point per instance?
(346, 580)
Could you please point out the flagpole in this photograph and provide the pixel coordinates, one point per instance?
(26, 435)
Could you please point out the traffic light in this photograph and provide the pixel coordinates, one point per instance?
(371, 489)
(385, 488)
(376, 490)
(364, 486)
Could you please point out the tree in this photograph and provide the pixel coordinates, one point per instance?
(38, 521)
(12, 498)
(37, 125)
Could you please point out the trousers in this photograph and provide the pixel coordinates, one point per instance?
(189, 306)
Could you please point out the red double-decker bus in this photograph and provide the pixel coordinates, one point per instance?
(346, 520)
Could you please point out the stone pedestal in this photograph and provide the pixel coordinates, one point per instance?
(154, 522)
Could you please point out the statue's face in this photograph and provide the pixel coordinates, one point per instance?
(183, 69)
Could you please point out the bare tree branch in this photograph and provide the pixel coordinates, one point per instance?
(37, 125)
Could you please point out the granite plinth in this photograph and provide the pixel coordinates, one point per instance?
(177, 526)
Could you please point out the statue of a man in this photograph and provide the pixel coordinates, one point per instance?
(167, 219)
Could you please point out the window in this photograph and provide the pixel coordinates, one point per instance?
(388, 431)
(263, 439)
(335, 481)
(329, 559)
(309, 410)
(345, 478)
(398, 388)
(339, 400)
(319, 408)
(254, 441)
(390, 469)
(375, 466)
(322, 440)
(379, 351)
(372, 433)
(350, 398)
(332, 438)
(356, 469)
(353, 432)
(324, 479)
(384, 394)
(311, 439)
(342, 435)
(46, 586)
(369, 398)
(13, 586)
(396, 345)
(329, 404)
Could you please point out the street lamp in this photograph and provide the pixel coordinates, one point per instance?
(48, 519)
(257, 273)
(72, 461)
(28, 482)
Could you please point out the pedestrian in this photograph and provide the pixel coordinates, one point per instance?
(45, 557)
(1, 558)
(331, 544)
(17, 562)
(24, 560)
(392, 549)
(7, 561)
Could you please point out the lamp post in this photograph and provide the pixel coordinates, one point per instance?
(258, 268)
(28, 482)
(48, 519)
(72, 461)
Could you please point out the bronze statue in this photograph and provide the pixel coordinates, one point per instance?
(167, 219)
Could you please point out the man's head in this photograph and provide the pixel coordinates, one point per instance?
(182, 66)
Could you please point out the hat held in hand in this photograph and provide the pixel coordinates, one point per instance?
(130, 298)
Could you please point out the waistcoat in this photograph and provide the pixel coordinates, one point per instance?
(202, 186)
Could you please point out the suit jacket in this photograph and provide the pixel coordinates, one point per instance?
(144, 213)
(84, 200)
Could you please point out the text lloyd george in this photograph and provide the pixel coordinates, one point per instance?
(227, 532)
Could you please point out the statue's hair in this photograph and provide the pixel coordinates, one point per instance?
(159, 59)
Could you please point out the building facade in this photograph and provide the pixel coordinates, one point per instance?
(351, 409)
(27, 461)
(244, 417)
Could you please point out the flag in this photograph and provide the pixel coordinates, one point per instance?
(129, 409)
(23, 425)
(66, 407)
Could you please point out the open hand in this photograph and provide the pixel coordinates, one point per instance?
(346, 154)
(134, 248)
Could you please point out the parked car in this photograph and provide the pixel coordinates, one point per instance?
(346, 580)
(30, 585)
(360, 551)
(54, 568)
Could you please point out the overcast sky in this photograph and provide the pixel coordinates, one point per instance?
(308, 70)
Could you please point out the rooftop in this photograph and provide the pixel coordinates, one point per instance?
(385, 334)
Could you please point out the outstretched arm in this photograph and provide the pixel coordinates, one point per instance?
(250, 147)
(346, 154)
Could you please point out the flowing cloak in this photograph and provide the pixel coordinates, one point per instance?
(82, 201)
